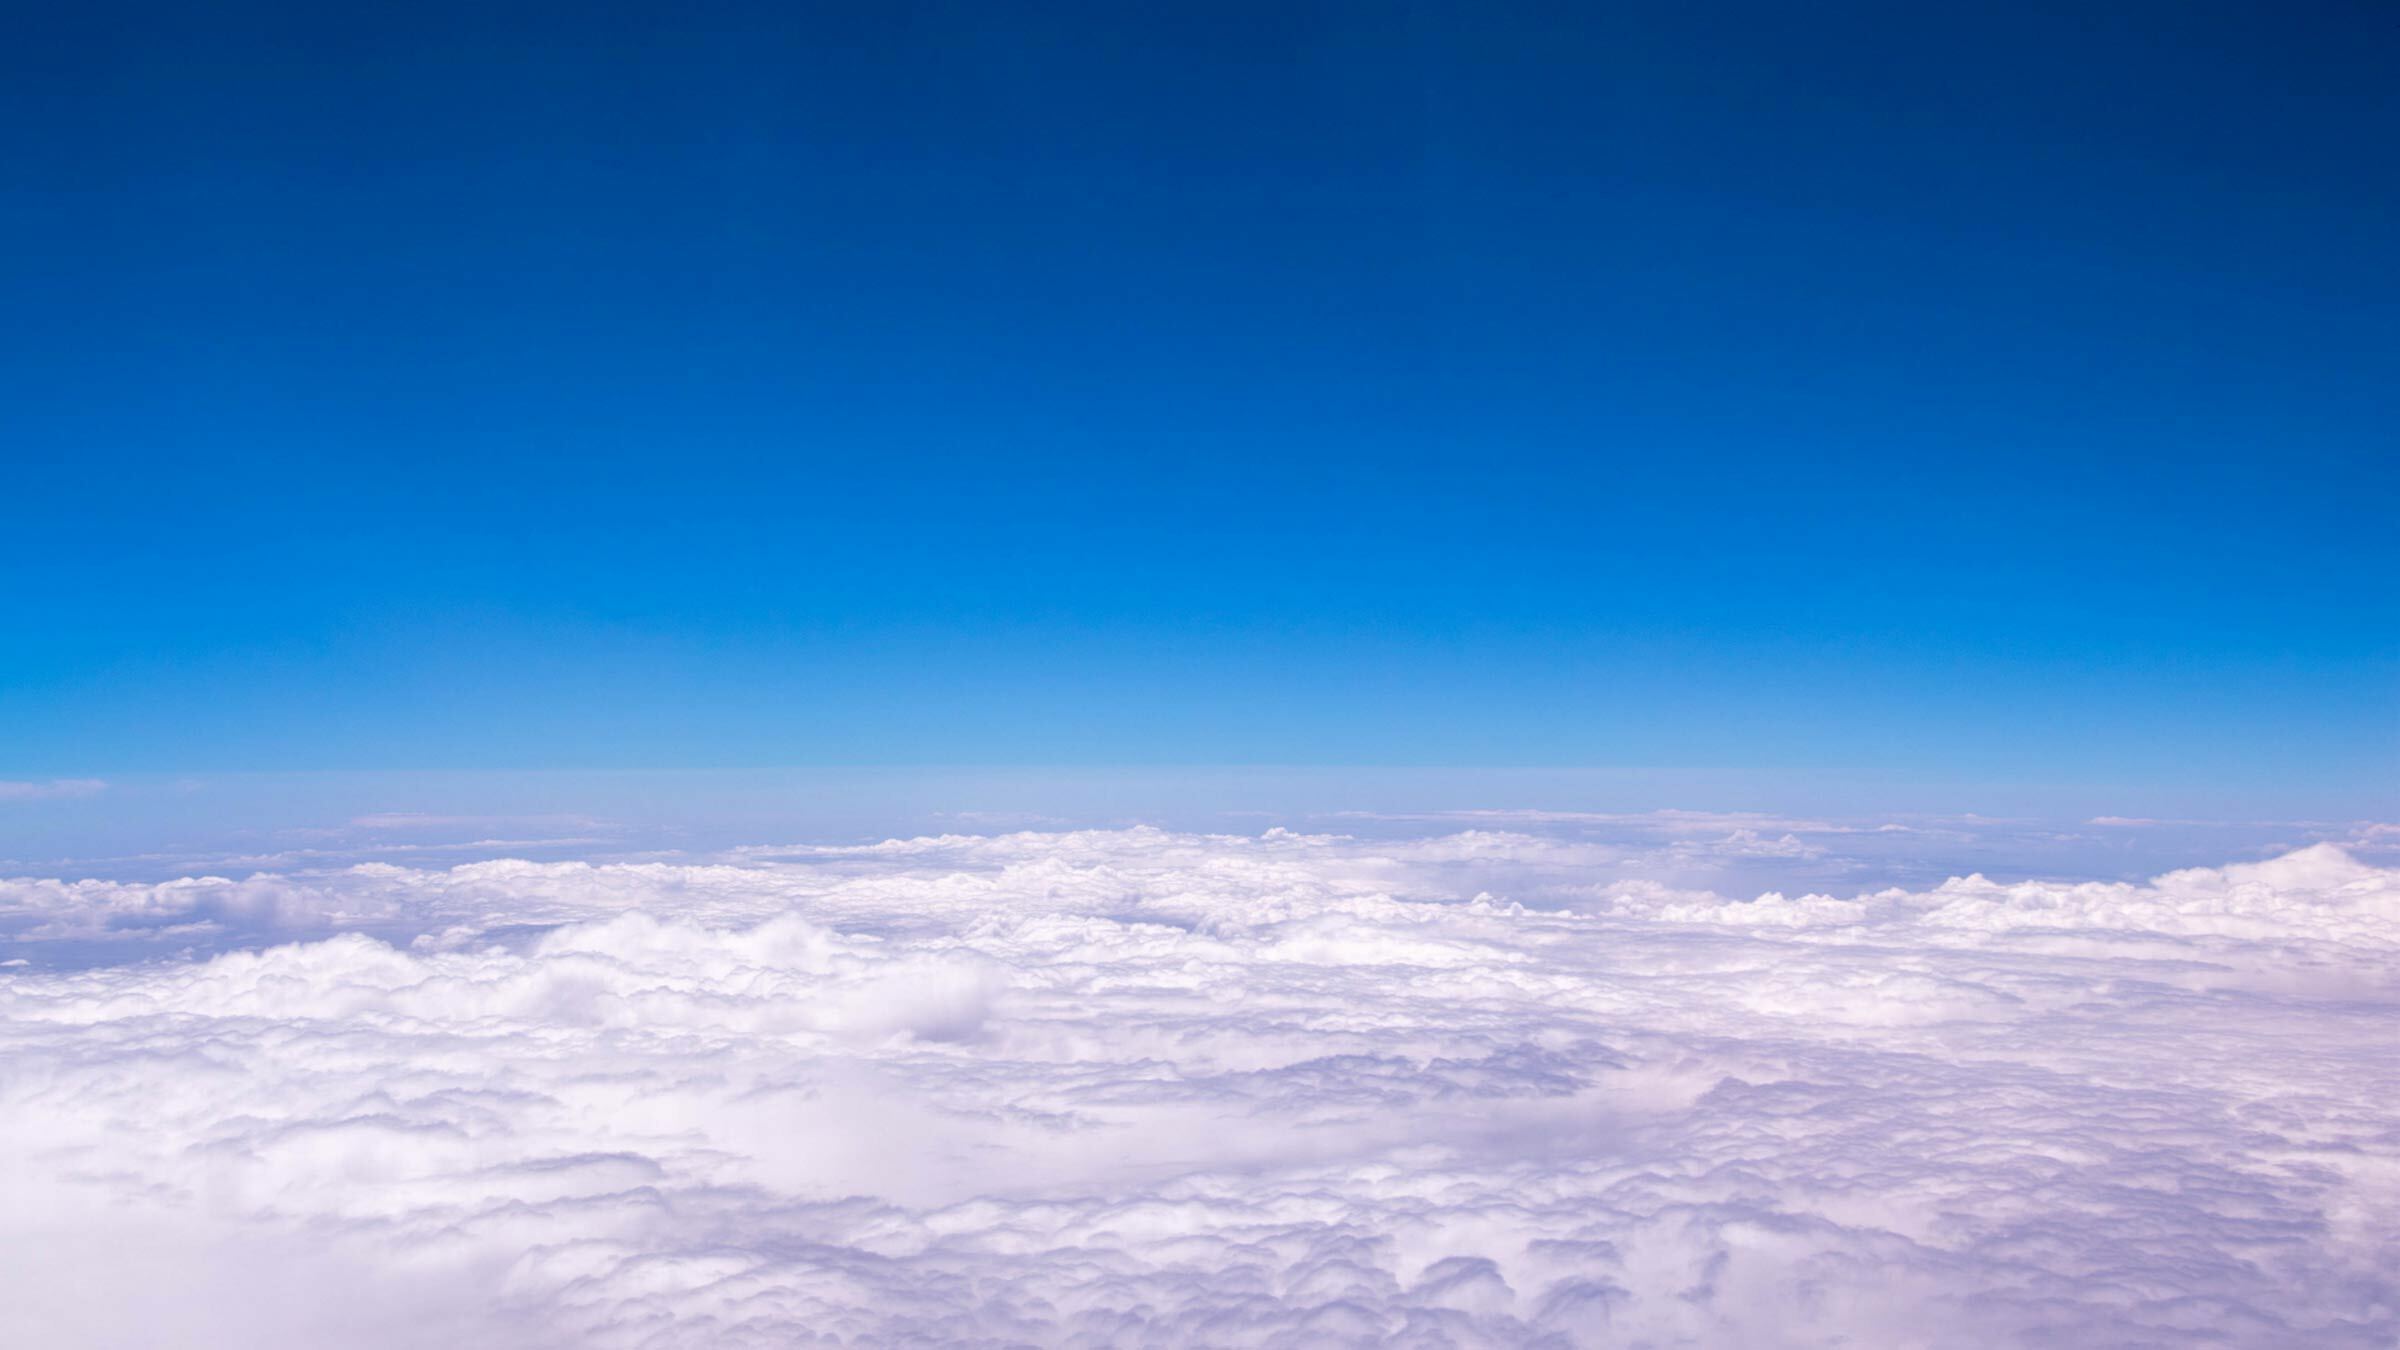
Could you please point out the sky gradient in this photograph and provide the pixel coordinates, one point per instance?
(1473, 675)
(1981, 396)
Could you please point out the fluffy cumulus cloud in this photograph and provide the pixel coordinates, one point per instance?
(1141, 1088)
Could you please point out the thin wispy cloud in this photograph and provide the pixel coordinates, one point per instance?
(426, 820)
(28, 790)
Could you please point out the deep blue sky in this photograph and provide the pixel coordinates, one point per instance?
(1997, 391)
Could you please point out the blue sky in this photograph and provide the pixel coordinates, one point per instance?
(1971, 396)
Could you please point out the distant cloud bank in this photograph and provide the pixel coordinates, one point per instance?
(1140, 1087)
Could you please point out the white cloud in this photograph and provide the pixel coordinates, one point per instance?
(1747, 843)
(1139, 1087)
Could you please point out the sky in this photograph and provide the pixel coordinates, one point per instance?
(1442, 675)
(1965, 394)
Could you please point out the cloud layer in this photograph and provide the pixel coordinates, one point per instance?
(1133, 1087)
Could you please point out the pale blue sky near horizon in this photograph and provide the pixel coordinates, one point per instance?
(1981, 404)
(1738, 831)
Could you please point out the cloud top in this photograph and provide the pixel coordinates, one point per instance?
(1141, 1087)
